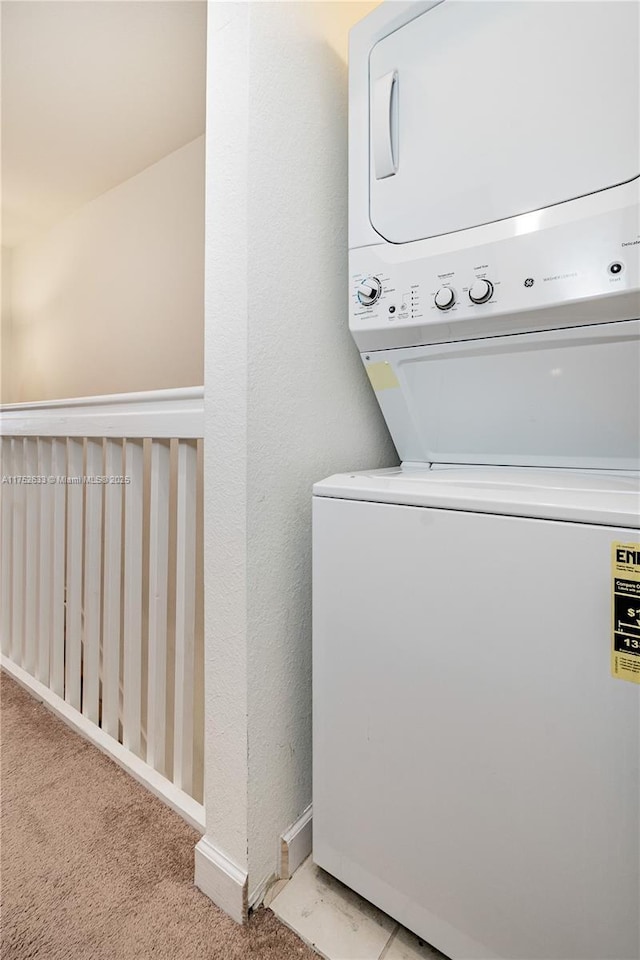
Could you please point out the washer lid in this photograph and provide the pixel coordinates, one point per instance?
(481, 111)
(579, 496)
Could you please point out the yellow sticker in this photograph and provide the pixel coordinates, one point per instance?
(625, 611)
(382, 375)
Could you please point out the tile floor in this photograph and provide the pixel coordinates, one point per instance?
(339, 924)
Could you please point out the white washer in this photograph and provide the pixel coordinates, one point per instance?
(476, 763)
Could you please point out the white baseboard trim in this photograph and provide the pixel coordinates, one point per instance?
(257, 896)
(295, 844)
(222, 881)
(178, 800)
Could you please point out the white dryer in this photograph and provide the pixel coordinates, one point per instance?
(476, 698)
(494, 228)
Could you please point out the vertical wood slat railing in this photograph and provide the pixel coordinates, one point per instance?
(100, 578)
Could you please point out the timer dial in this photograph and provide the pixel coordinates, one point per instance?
(480, 291)
(369, 291)
(445, 298)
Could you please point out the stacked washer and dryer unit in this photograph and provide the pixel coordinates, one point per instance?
(477, 609)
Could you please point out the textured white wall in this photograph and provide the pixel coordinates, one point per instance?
(110, 299)
(286, 396)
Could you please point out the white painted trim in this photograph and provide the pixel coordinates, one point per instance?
(132, 598)
(258, 894)
(151, 413)
(178, 800)
(295, 847)
(221, 880)
(296, 843)
(185, 616)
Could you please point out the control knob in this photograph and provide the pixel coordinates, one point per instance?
(445, 298)
(480, 291)
(369, 291)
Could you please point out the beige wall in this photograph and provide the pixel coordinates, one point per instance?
(335, 18)
(110, 299)
(5, 328)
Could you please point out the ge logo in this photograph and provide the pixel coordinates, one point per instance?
(528, 282)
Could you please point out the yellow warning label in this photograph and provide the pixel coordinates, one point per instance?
(625, 611)
(382, 375)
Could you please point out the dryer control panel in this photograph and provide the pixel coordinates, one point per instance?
(541, 274)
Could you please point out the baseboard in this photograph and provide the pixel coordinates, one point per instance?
(257, 896)
(295, 844)
(178, 800)
(222, 881)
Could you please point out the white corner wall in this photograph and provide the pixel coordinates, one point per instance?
(286, 399)
(111, 298)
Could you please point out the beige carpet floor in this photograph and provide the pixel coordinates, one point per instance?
(95, 868)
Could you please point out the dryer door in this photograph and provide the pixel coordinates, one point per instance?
(480, 111)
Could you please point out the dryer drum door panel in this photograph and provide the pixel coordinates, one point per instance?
(478, 112)
(559, 398)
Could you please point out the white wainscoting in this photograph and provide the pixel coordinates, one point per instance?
(100, 576)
